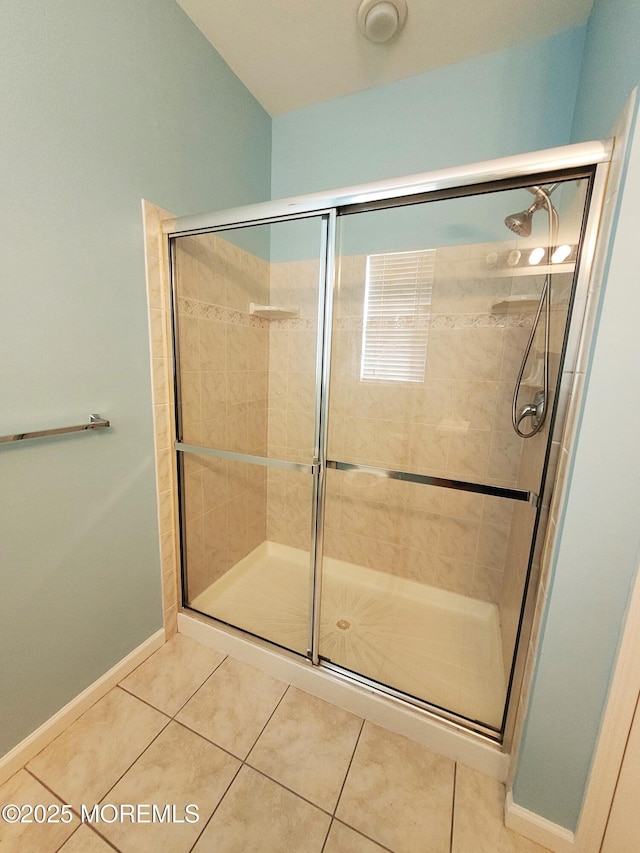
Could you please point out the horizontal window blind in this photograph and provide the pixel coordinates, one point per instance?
(396, 316)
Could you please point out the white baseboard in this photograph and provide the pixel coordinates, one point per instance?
(455, 744)
(44, 734)
(537, 828)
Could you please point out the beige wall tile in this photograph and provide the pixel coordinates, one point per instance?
(458, 539)
(163, 426)
(212, 345)
(504, 458)
(469, 454)
(478, 353)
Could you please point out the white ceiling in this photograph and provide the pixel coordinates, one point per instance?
(294, 53)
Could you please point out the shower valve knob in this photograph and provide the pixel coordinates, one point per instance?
(535, 410)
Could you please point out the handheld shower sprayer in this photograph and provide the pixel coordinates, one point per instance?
(520, 224)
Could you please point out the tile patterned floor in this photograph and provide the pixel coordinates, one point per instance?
(270, 768)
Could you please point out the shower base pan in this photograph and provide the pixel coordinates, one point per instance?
(435, 645)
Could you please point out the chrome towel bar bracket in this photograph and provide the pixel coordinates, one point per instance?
(96, 422)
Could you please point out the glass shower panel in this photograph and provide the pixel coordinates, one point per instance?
(433, 308)
(246, 331)
(412, 576)
(236, 567)
(246, 327)
(434, 305)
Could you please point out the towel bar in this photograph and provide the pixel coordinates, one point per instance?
(97, 422)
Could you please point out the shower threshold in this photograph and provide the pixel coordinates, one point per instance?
(432, 644)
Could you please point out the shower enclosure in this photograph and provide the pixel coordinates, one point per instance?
(352, 489)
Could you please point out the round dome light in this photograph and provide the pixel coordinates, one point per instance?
(380, 20)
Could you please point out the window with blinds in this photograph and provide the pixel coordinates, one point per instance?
(396, 316)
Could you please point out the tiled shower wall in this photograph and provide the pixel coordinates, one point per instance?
(456, 424)
(529, 472)
(450, 425)
(292, 381)
(247, 384)
(223, 392)
(157, 280)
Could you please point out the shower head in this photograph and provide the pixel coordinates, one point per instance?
(520, 223)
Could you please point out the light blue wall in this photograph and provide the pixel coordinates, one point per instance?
(102, 104)
(599, 548)
(611, 67)
(516, 100)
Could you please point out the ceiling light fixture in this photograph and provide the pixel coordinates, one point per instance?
(380, 20)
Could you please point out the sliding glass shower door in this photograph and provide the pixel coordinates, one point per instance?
(247, 350)
(431, 495)
(352, 487)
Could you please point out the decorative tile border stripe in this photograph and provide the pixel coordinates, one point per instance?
(480, 321)
(308, 324)
(452, 321)
(206, 311)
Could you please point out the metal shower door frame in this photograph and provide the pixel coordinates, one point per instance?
(510, 172)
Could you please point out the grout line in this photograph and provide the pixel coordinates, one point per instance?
(44, 785)
(137, 758)
(62, 799)
(290, 790)
(144, 701)
(242, 762)
(218, 804)
(74, 811)
(453, 805)
(100, 835)
(326, 838)
(208, 740)
(245, 762)
(362, 834)
(214, 670)
(344, 781)
(267, 723)
(160, 710)
(140, 699)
